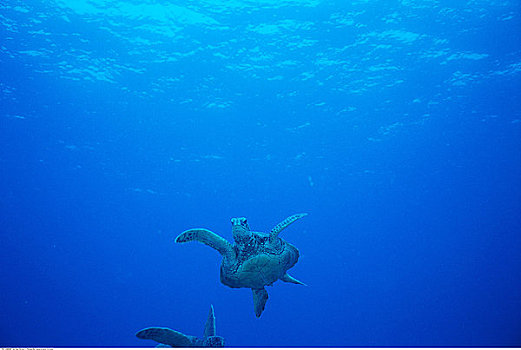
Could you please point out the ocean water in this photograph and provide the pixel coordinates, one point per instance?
(395, 124)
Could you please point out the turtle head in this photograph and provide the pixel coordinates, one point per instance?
(214, 342)
(240, 222)
(240, 229)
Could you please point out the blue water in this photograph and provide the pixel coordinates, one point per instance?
(395, 124)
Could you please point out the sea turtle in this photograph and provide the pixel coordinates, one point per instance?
(256, 259)
(167, 337)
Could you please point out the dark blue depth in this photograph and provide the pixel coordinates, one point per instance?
(395, 124)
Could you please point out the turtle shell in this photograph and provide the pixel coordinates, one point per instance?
(261, 267)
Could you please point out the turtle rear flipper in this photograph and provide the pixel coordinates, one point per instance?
(282, 225)
(291, 279)
(209, 238)
(166, 336)
(260, 297)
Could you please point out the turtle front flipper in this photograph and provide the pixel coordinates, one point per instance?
(282, 225)
(209, 327)
(260, 297)
(209, 238)
(166, 336)
(210, 339)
